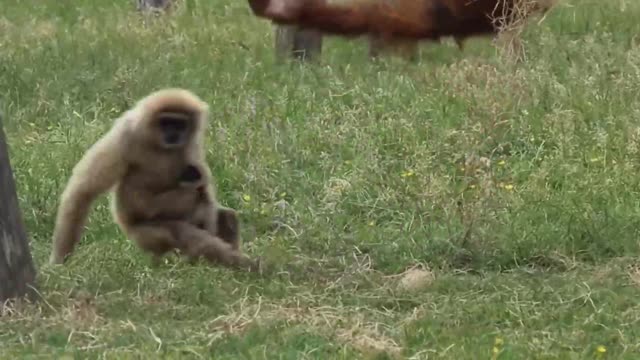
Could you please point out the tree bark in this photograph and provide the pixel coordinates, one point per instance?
(301, 44)
(17, 272)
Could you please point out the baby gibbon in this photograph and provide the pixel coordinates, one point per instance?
(152, 161)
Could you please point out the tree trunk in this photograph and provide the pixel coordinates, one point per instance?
(17, 272)
(302, 44)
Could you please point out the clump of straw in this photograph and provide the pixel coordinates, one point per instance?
(510, 18)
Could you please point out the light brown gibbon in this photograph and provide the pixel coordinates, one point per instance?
(152, 162)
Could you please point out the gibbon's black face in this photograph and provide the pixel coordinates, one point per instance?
(175, 129)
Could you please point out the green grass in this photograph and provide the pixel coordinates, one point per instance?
(516, 186)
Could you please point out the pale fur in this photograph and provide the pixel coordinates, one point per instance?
(148, 202)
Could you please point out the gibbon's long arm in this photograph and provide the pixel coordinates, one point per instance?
(100, 169)
(348, 20)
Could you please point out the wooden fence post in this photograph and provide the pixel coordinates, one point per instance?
(17, 272)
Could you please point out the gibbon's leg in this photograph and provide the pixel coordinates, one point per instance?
(154, 239)
(216, 251)
(219, 221)
(200, 243)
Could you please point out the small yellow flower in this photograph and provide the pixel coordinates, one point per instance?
(508, 187)
(371, 223)
(501, 162)
(246, 197)
(407, 173)
(497, 344)
(283, 194)
(601, 349)
(472, 186)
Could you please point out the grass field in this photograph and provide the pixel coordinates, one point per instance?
(514, 187)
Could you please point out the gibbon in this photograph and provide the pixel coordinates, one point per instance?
(407, 20)
(152, 162)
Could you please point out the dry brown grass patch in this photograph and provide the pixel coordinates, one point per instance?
(348, 325)
(511, 25)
